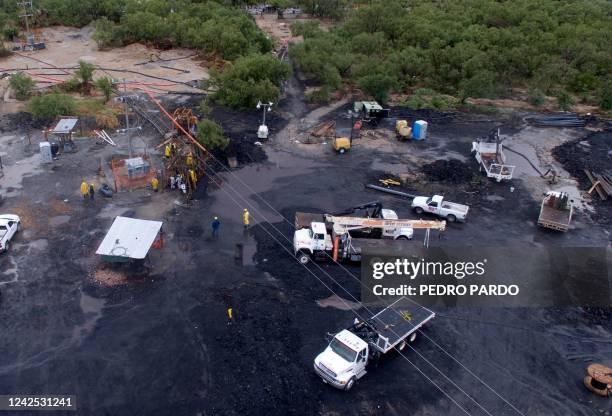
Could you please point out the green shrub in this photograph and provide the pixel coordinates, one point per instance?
(565, 101)
(22, 84)
(536, 97)
(47, 107)
(106, 86)
(210, 135)
(377, 86)
(605, 95)
(319, 96)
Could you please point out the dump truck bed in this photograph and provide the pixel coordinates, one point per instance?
(398, 321)
(554, 218)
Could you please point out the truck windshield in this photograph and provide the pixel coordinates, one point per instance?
(343, 350)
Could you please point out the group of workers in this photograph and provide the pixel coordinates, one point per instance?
(216, 223)
(87, 190)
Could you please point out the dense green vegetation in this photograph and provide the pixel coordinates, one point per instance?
(467, 48)
(250, 79)
(47, 107)
(22, 84)
(209, 26)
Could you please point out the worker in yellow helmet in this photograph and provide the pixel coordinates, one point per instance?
(189, 159)
(193, 177)
(246, 218)
(154, 184)
(167, 151)
(84, 189)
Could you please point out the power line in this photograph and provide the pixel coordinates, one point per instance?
(333, 292)
(357, 279)
(361, 283)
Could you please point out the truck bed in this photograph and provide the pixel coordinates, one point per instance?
(398, 321)
(557, 219)
(455, 207)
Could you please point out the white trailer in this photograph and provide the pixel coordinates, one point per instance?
(344, 360)
(491, 158)
(438, 206)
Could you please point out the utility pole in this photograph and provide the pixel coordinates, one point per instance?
(26, 5)
(127, 120)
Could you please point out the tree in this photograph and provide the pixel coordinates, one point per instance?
(47, 107)
(84, 74)
(536, 97)
(565, 101)
(376, 85)
(250, 79)
(210, 135)
(22, 84)
(107, 87)
(605, 95)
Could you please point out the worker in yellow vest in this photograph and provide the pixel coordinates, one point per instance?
(154, 184)
(167, 151)
(84, 189)
(246, 218)
(193, 177)
(189, 159)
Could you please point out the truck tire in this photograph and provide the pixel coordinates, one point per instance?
(451, 218)
(303, 257)
(350, 384)
(402, 237)
(418, 210)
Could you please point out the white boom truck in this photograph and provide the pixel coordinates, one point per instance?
(316, 241)
(436, 205)
(344, 360)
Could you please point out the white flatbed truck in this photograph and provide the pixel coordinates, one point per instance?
(344, 360)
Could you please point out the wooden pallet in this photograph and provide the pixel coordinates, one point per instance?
(601, 183)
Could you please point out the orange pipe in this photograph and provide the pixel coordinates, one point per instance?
(335, 249)
(185, 132)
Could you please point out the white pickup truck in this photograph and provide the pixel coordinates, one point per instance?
(344, 360)
(438, 206)
(9, 225)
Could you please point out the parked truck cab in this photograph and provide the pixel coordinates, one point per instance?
(343, 361)
(309, 241)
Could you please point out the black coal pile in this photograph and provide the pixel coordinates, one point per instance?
(19, 121)
(591, 152)
(449, 171)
